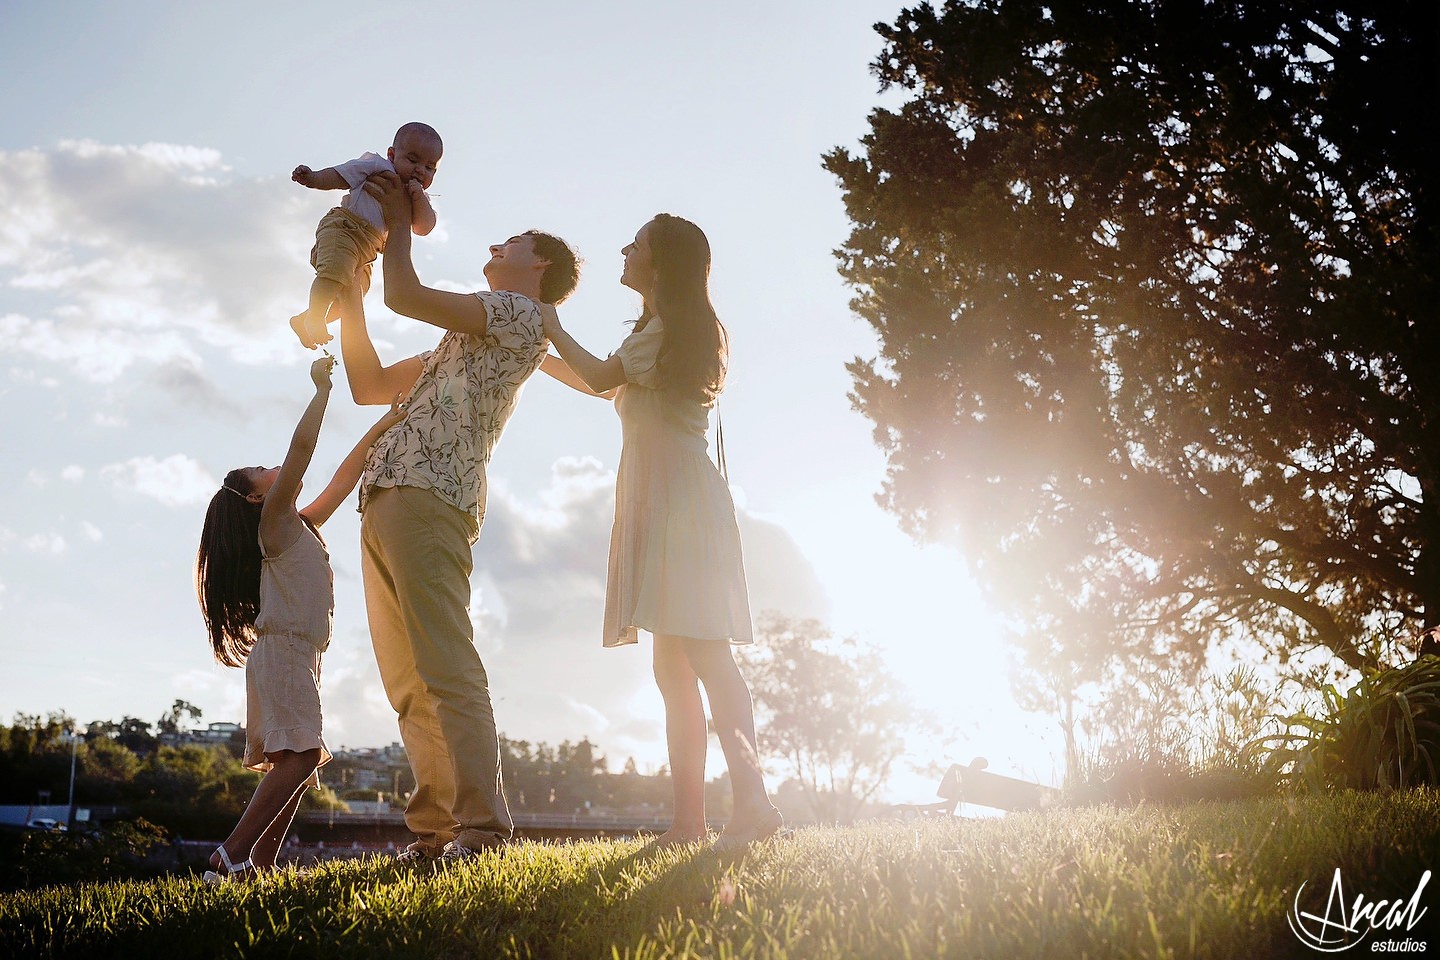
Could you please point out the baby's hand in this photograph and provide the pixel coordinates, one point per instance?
(415, 189)
(302, 175)
(320, 372)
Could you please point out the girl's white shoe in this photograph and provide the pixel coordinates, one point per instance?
(214, 876)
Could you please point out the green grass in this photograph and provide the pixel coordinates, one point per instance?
(1201, 880)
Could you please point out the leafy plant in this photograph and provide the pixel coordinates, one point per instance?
(1166, 737)
(1384, 733)
(56, 856)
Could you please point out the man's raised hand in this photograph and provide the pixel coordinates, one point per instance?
(392, 196)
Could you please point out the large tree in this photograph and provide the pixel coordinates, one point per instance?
(829, 713)
(1155, 290)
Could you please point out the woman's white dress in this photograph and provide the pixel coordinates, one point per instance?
(675, 562)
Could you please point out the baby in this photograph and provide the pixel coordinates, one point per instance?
(350, 235)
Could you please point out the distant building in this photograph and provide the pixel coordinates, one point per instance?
(381, 769)
(364, 778)
(384, 756)
(220, 733)
(369, 806)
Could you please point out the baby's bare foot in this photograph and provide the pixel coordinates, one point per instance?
(297, 323)
(310, 337)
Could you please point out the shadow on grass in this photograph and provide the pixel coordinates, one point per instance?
(528, 900)
(608, 905)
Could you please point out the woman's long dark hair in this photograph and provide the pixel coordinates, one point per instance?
(227, 569)
(694, 348)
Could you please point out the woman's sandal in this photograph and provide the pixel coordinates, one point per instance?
(213, 877)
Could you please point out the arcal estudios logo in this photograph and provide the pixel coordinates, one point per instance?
(1346, 921)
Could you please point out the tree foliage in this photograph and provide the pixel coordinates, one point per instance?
(191, 789)
(35, 758)
(172, 723)
(835, 719)
(1155, 291)
(561, 779)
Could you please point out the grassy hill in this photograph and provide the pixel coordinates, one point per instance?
(1197, 880)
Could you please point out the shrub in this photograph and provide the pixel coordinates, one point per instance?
(56, 856)
(1162, 778)
(1384, 733)
(1169, 739)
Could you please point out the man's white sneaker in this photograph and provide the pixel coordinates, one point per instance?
(454, 852)
(413, 857)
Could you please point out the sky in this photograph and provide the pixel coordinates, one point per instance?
(152, 248)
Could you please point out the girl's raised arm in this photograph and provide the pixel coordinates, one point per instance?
(350, 469)
(279, 523)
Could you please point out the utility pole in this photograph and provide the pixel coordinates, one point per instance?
(74, 746)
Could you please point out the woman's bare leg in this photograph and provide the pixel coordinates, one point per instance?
(734, 715)
(686, 738)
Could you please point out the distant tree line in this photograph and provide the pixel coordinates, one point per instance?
(190, 789)
(832, 721)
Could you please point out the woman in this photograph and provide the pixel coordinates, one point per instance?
(675, 567)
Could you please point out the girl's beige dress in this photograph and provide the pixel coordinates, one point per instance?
(282, 673)
(675, 562)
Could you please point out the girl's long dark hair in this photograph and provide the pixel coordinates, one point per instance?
(227, 570)
(694, 347)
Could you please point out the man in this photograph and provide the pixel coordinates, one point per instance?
(422, 501)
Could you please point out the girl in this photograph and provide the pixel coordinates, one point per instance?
(264, 582)
(675, 566)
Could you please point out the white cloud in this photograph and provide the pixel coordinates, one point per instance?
(132, 254)
(101, 358)
(49, 542)
(205, 685)
(23, 375)
(778, 573)
(357, 712)
(74, 473)
(174, 481)
(92, 533)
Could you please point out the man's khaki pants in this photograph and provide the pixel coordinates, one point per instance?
(415, 555)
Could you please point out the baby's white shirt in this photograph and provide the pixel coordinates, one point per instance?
(357, 201)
